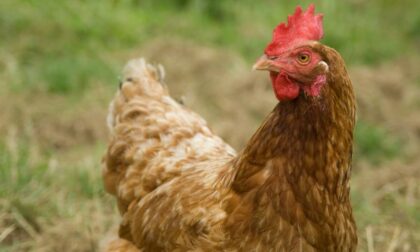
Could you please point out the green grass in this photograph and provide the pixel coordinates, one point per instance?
(375, 144)
(58, 45)
(37, 194)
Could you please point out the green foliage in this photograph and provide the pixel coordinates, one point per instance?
(59, 79)
(17, 174)
(63, 46)
(375, 144)
(89, 184)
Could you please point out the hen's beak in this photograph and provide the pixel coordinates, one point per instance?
(264, 63)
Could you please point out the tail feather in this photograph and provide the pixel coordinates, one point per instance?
(139, 79)
(142, 78)
(140, 69)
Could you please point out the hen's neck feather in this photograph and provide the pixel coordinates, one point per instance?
(298, 165)
(306, 138)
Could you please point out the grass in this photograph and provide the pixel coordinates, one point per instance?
(375, 144)
(57, 45)
(39, 196)
(59, 66)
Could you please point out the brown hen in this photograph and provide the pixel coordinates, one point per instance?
(179, 187)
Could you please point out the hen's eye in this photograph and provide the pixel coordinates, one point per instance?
(304, 58)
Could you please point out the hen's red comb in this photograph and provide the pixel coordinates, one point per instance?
(300, 26)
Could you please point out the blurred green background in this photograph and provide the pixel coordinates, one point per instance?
(59, 68)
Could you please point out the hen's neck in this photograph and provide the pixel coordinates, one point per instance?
(303, 142)
(299, 162)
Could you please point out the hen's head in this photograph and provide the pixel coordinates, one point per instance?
(292, 58)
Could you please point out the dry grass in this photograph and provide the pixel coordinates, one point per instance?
(52, 198)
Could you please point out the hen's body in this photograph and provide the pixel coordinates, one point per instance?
(181, 188)
(158, 150)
